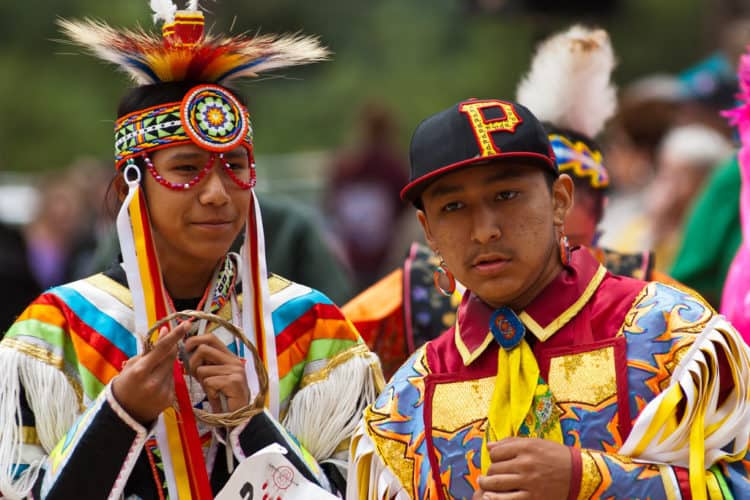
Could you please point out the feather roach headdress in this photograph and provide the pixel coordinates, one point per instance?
(210, 116)
(183, 52)
(568, 88)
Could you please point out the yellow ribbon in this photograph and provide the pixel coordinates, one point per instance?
(521, 402)
(688, 413)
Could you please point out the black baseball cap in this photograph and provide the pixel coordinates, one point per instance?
(471, 132)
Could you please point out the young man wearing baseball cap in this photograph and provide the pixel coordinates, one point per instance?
(558, 379)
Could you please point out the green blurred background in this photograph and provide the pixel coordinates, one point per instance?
(417, 56)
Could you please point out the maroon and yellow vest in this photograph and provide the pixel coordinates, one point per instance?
(604, 344)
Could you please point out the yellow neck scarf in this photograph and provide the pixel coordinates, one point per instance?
(522, 404)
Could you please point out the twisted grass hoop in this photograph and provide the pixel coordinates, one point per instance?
(239, 416)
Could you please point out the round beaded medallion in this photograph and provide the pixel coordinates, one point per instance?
(214, 119)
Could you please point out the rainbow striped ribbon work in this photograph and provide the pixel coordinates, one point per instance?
(176, 433)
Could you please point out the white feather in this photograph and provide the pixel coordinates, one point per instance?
(164, 10)
(279, 51)
(134, 52)
(568, 84)
(193, 5)
(98, 38)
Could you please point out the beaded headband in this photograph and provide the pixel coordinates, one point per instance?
(580, 161)
(208, 116)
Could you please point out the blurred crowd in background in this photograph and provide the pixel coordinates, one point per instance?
(334, 219)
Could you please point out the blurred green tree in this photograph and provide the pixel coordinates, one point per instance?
(417, 56)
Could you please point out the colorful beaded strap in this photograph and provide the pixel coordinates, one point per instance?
(580, 160)
(208, 116)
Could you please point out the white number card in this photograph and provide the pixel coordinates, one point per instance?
(268, 475)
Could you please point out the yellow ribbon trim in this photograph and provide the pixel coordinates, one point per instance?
(543, 333)
(116, 290)
(468, 356)
(666, 412)
(668, 481)
(359, 350)
(179, 467)
(29, 435)
(49, 358)
(697, 456)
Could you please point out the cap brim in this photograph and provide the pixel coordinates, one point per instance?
(414, 189)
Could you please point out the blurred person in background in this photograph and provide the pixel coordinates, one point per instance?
(646, 110)
(300, 249)
(687, 157)
(48, 250)
(710, 86)
(15, 269)
(714, 220)
(55, 234)
(711, 234)
(93, 178)
(575, 113)
(362, 202)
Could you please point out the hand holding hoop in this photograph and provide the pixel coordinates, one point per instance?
(150, 372)
(228, 419)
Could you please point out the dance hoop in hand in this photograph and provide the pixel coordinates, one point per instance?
(239, 416)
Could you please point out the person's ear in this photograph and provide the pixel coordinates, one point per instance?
(422, 218)
(562, 198)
